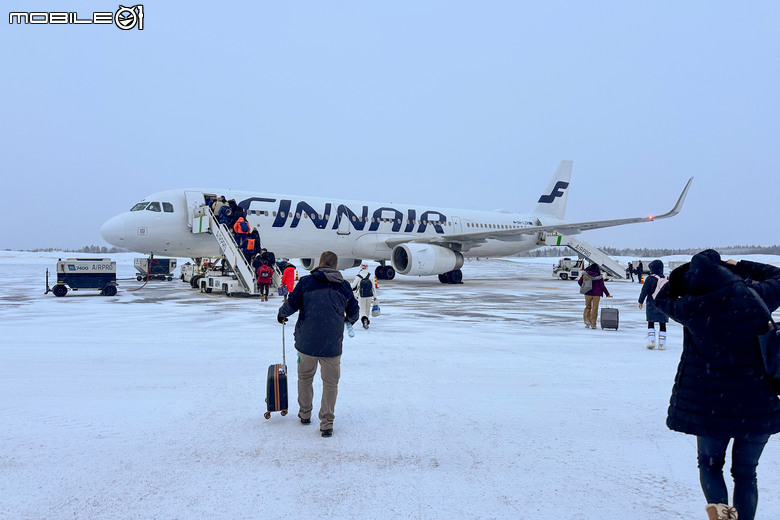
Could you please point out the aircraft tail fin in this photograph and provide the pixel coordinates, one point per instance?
(553, 201)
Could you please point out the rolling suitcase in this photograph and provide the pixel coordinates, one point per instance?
(276, 386)
(609, 318)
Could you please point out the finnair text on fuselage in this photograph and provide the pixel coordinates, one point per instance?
(320, 217)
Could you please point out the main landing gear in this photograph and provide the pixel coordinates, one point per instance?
(452, 277)
(384, 272)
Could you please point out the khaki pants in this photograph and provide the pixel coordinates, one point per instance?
(591, 312)
(330, 373)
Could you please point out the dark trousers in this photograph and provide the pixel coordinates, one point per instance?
(661, 325)
(744, 459)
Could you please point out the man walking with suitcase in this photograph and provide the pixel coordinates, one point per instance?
(323, 300)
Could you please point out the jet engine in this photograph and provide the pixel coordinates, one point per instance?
(425, 259)
(344, 263)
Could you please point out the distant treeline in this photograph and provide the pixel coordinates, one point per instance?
(654, 253)
(85, 249)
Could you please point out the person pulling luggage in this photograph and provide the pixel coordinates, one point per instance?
(322, 300)
(592, 286)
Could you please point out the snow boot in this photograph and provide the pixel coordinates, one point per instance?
(651, 339)
(721, 512)
(661, 341)
(365, 322)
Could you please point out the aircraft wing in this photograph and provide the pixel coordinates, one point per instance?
(466, 241)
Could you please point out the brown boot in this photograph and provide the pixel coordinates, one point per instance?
(721, 512)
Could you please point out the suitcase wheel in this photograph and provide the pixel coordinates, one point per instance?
(267, 415)
(284, 412)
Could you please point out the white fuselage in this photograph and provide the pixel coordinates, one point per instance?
(304, 227)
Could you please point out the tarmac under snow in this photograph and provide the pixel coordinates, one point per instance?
(483, 400)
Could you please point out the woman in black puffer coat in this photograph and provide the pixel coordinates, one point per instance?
(721, 391)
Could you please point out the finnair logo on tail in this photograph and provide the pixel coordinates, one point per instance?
(555, 193)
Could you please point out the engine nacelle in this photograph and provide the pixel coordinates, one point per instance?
(425, 259)
(344, 263)
(308, 263)
(348, 263)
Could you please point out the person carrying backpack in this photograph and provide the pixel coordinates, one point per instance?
(592, 286)
(652, 313)
(365, 292)
(265, 275)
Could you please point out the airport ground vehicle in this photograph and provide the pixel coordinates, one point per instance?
(568, 269)
(227, 283)
(154, 268)
(84, 273)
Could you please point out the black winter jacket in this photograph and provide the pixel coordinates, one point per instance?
(652, 313)
(322, 298)
(721, 389)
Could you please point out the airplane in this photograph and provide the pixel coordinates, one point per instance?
(414, 240)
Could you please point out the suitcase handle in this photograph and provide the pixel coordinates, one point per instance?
(284, 361)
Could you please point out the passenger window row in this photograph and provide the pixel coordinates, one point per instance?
(366, 219)
(491, 226)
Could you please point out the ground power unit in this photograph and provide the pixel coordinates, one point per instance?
(84, 273)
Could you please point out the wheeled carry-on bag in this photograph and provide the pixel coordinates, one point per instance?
(276, 386)
(609, 318)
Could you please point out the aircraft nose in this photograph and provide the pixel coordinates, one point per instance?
(113, 231)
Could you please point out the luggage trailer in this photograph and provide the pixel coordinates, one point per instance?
(154, 268)
(84, 273)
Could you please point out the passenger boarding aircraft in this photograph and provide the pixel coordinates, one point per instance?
(416, 240)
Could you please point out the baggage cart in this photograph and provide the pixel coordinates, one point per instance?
(154, 268)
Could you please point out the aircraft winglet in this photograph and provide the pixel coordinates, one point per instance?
(677, 207)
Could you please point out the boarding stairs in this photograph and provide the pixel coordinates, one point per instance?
(608, 264)
(205, 222)
(277, 278)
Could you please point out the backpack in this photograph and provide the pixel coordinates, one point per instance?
(366, 287)
(587, 284)
(241, 226)
(264, 274)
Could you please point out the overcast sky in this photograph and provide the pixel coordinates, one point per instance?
(447, 103)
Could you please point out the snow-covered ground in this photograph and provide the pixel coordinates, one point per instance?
(483, 400)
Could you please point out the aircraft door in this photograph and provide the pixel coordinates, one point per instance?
(344, 225)
(457, 227)
(195, 199)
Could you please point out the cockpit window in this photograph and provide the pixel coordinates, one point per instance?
(167, 207)
(139, 207)
(153, 206)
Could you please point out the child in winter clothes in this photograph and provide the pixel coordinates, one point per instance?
(652, 313)
(288, 277)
